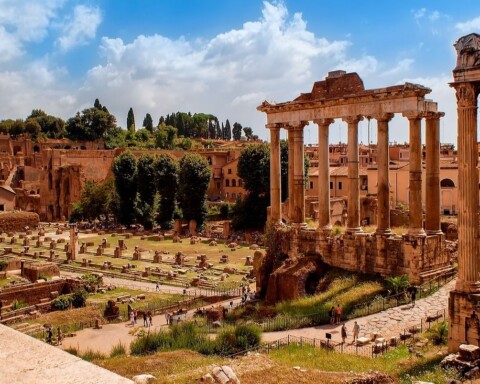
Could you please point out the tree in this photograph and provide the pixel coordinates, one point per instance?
(130, 120)
(115, 138)
(32, 128)
(97, 104)
(165, 137)
(148, 122)
(248, 133)
(147, 188)
(237, 131)
(17, 128)
(228, 131)
(91, 124)
(95, 201)
(125, 171)
(194, 178)
(167, 184)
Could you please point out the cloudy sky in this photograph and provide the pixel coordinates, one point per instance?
(222, 57)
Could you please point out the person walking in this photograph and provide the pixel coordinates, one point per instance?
(356, 331)
(59, 336)
(413, 295)
(344, 333)
(339, 311)
(332, 315)
(145, 322)
(132, 319)
(157, 287)
(150, 320)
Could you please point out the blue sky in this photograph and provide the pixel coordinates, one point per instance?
(222, 57)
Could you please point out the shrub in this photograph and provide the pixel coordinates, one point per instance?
(90, 355)
(438, 333)
(72, 350)
(397, 284)
(61, 303)
(248, 336)
(226, 342)
(79, 298)
(18, 304)
(224, 211)
(118, 350)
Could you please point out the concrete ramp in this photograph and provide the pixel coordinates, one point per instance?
(28, 360)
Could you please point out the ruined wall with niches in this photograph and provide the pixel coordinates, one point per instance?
(96, 165)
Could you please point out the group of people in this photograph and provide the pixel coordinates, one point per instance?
(356, 332)
(50, 336)
(335, 314)
(147, 318)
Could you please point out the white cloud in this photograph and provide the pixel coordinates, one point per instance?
(419, 13)
(402, 67)
(472, 25)
(80, 27)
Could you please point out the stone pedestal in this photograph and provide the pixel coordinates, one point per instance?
(463, 320)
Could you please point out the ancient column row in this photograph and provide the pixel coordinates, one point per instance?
(296, 176)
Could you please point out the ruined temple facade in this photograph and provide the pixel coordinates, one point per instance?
(420, 253)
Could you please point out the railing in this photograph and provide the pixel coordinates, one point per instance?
(381, 303)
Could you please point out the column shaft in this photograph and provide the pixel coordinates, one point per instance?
(468, 252)
(275, 176)
(353, 208)
(323, 174)
(291, 162)
(432, 212)
(298, 176)
(415, 185)
(383, 160)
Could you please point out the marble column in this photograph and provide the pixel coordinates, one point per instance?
(468, 232)
(415, 170)
(298, 174)
(353, 208)
(432, 211)
(291, 162)
(383, 162)
(323, 175)
(275, 174)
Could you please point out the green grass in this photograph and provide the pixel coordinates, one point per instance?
(344, 288)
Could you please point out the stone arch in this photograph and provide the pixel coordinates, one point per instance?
(234, 183)
(447, 183)
(36, 149)
(16, 149)
(227, 183)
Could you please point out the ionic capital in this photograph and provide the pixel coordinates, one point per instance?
(384, 117)
(324, 122)
(467, 94)
(433, 115)
(352, 119)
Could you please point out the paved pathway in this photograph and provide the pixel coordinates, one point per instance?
(388, 323)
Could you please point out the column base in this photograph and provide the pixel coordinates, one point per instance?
(463, 320)
(419, 232)
(431, 232)
(354, 230)
(383, 231)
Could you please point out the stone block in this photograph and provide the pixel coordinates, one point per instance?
(469, 352)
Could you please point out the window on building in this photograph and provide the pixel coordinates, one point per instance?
(2, 207)
(339, 185)
(234, 183)
(227, 183)
(226, 195)
(218, 185)
(209, 159)
(331, 184)
(311, 184)
(447, 183)
(229, 171)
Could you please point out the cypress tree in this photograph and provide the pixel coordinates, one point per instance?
(130, 120)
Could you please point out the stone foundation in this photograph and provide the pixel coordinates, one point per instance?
(464, 326)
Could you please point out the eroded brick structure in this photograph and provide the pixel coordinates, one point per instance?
(420, 253)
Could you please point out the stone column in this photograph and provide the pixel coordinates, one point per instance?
(432, 211)
(275, 176)
(353, 208)
(383, 161)
(73, 241)
(468, 252)
(323, 175)
(291, 162)
(415, 183)
(298, 174)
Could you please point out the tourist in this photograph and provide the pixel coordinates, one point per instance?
(150, 320)
(167, 317)
(157, 286)
(132, 319)
(344, 333)
(135, 315)
(356, 331)
(413, 295)
(59, 336)
(49, 335)
(332, 315)
(145, 322)
(339, 314)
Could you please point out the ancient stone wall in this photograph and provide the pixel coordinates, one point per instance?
(32, 293)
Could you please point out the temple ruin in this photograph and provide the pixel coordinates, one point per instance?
(464, 300)
(420, 253)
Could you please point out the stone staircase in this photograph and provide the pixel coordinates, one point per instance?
(27, 328)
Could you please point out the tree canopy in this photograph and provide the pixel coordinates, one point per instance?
(125, 171)
(130, 120)
(91, 124)
(167, 184)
